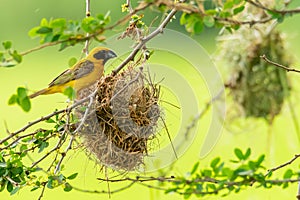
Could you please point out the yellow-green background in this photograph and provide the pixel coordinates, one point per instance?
(38, 68)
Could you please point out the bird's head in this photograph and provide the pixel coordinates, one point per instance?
(101, 53)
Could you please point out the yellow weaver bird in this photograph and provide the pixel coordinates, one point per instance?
(81, 75)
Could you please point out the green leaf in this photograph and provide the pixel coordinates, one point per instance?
(21, 92)
(238, 154)
(187, 193)
(238, 9)
(1, 57)
(2, 187)
(280, 19)
(228, 4)
(225, 14)
(67, 187)
(73, 176)
(50, 120)
(44, 22)
(25, 104)
(247, 154)
(211, 12)
(209, 21)
(195, 167)
(49, 183)
(58, 23)
(170, 190)
(9, 186)
(33, 32)
(184, 18)
(72, 61)
(70, 92)
(6, 45)
(206, 173)
(237, 1)
(44, 30)
(214, 162)
(260, 159)
(285, 185)
(48, 38)
(55, 37)
(16, 170)
(288, 174)
(23, 147)
(13, 99)
(34, 188)
(63, 45)
(227, 172)
(198, 27)
(275, 15)
(88, 24)
(43, 146)
(16, 56)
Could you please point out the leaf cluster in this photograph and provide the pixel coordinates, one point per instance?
(69, 32)
(223, 179)
(9, 51)
(16, 172)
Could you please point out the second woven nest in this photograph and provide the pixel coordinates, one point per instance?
(259, 88)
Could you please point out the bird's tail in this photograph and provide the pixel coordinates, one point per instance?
(43, 91)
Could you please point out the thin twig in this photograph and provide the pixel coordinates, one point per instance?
(298, 196)
(43, 191)
(103, 191)
(144, 40)
(83, 119)
(140, 179)
(128, 4)
(279, 65)
(169, 136)
(283, 165)
(87, 15)
(203, 112)
(18, 139)
(67, 131)
(57, 146)
(12, 181)
(63, 155)
(282, 12)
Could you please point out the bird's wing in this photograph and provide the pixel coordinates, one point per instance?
(79, 70)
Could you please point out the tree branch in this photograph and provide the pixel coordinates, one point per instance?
(45, 118)
(282, 12)
(279, 65)
(284, 164)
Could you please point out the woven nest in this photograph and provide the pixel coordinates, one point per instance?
(122, 120)
(258, 87)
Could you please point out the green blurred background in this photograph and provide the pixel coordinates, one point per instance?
(278, 142)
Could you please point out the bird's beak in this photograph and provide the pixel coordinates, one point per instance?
(108, 55)
(104, 54)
